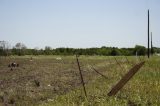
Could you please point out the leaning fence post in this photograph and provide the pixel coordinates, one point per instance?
(80, 72)
(125, 79)
(99, 72)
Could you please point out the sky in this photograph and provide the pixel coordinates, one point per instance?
(79, 23)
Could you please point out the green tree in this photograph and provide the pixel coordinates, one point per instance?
(115, 52)
(21, 49)
(5, 48)
(48, 50)
(141, 50)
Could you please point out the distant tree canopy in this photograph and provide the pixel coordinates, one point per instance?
(115, 52)
(156, 50)
(4, 48)
(20, 49)
(48, 50)
(140, 50)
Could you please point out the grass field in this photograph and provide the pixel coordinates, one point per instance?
(55, 81)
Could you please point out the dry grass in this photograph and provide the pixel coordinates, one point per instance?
(48, 78)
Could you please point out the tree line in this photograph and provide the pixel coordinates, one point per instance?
(20, 49)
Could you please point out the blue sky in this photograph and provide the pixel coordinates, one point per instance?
(79, 23)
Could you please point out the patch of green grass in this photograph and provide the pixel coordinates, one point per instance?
(142, 89)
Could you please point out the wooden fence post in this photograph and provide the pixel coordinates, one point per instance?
(125, 79)
(82, 80)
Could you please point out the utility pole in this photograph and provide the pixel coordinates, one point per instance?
(151, 45)
(148, 35)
